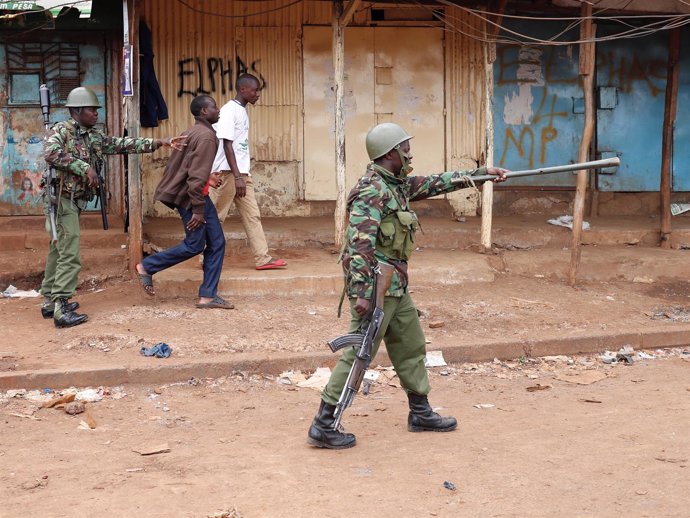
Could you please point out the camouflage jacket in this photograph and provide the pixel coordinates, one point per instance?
(377, 194)
(72, 150)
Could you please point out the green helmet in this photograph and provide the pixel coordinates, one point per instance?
(82, 97)
(384, 137)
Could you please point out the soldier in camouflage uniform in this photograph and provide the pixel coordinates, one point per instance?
(382, 228)
(73, 149)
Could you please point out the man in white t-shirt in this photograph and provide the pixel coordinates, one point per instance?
(233, 159)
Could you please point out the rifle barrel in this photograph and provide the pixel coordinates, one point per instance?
(579, 166)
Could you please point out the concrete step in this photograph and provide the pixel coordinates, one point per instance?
(314, 271)
(517, 233)
(28, 232)
(39, 240)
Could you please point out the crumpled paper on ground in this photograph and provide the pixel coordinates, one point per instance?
(566, 221)
(14, 293)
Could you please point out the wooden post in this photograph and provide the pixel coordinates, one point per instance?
(587, 59)
(339, 86)
(132, 123)
(488, 187)
(667, 139)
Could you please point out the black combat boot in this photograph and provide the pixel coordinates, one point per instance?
(321, 433)
(64, 317)
(48, 307)
(423, 419)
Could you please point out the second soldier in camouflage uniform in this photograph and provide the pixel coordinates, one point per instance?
(382, 228)
(73, 149)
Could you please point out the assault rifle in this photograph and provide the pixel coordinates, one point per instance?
(49, 178)
(102, 195)
(362, 340)
(595, 164)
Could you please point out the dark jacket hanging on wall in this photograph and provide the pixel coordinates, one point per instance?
(153, 107)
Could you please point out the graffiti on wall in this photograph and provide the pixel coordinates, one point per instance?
(211, 75)
(542, 123)
(616, 69)
(535, 128)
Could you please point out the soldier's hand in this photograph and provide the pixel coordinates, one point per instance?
(240, 187)
(196, 222)
(499, 172)
(361, 306)
(215, 180)
(177, 143)
(92, 178)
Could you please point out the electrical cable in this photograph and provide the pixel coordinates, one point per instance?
(199, 11)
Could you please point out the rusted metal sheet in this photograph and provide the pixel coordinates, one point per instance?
(208, 61)
(467, 117)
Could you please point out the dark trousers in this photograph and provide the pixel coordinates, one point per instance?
(208, 238)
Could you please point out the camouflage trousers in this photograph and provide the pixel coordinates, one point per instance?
(405, 344)
(64, 263)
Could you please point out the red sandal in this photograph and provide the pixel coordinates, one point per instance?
(273, 264)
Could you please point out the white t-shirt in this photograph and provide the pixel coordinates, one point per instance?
(233, 125)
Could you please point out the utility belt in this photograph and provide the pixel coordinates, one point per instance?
(59, 185)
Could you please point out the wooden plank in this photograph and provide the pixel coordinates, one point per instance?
(587, 57)
(339, 86)
(133, 125)
(488, 187)
(346, 17)
(667, 137)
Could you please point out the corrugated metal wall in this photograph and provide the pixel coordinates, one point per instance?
(201, 49)
(465, 87)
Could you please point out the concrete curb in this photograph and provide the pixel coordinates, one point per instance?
(169, 371)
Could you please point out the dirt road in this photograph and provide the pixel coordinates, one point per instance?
(614, 447)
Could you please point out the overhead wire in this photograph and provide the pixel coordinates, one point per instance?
(510, 36)
(247, 15)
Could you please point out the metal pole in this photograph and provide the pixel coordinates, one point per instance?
(594, 164)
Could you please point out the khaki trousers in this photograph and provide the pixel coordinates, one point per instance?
(405, 344)
(248, 210)
(63, 263)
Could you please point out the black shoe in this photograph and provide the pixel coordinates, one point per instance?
(67, 318)
(48, 311)
(322, 434)
(422, 418)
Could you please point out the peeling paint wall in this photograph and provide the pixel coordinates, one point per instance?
(23, 65)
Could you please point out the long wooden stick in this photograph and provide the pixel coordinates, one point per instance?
(339, 86)
(587, 58)
(667, 139)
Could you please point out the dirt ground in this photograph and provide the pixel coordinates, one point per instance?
(555, 437)
(616, 445)
(122, 319)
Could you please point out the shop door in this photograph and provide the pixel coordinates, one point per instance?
(630, 93)
(24, 66)
(392, 74)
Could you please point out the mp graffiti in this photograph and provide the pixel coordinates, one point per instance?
(212, 75)
(542, 123)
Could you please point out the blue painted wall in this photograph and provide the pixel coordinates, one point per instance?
(22, 131)
(538, 105)
(536, 95)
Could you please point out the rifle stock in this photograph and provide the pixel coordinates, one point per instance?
(364, 340)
